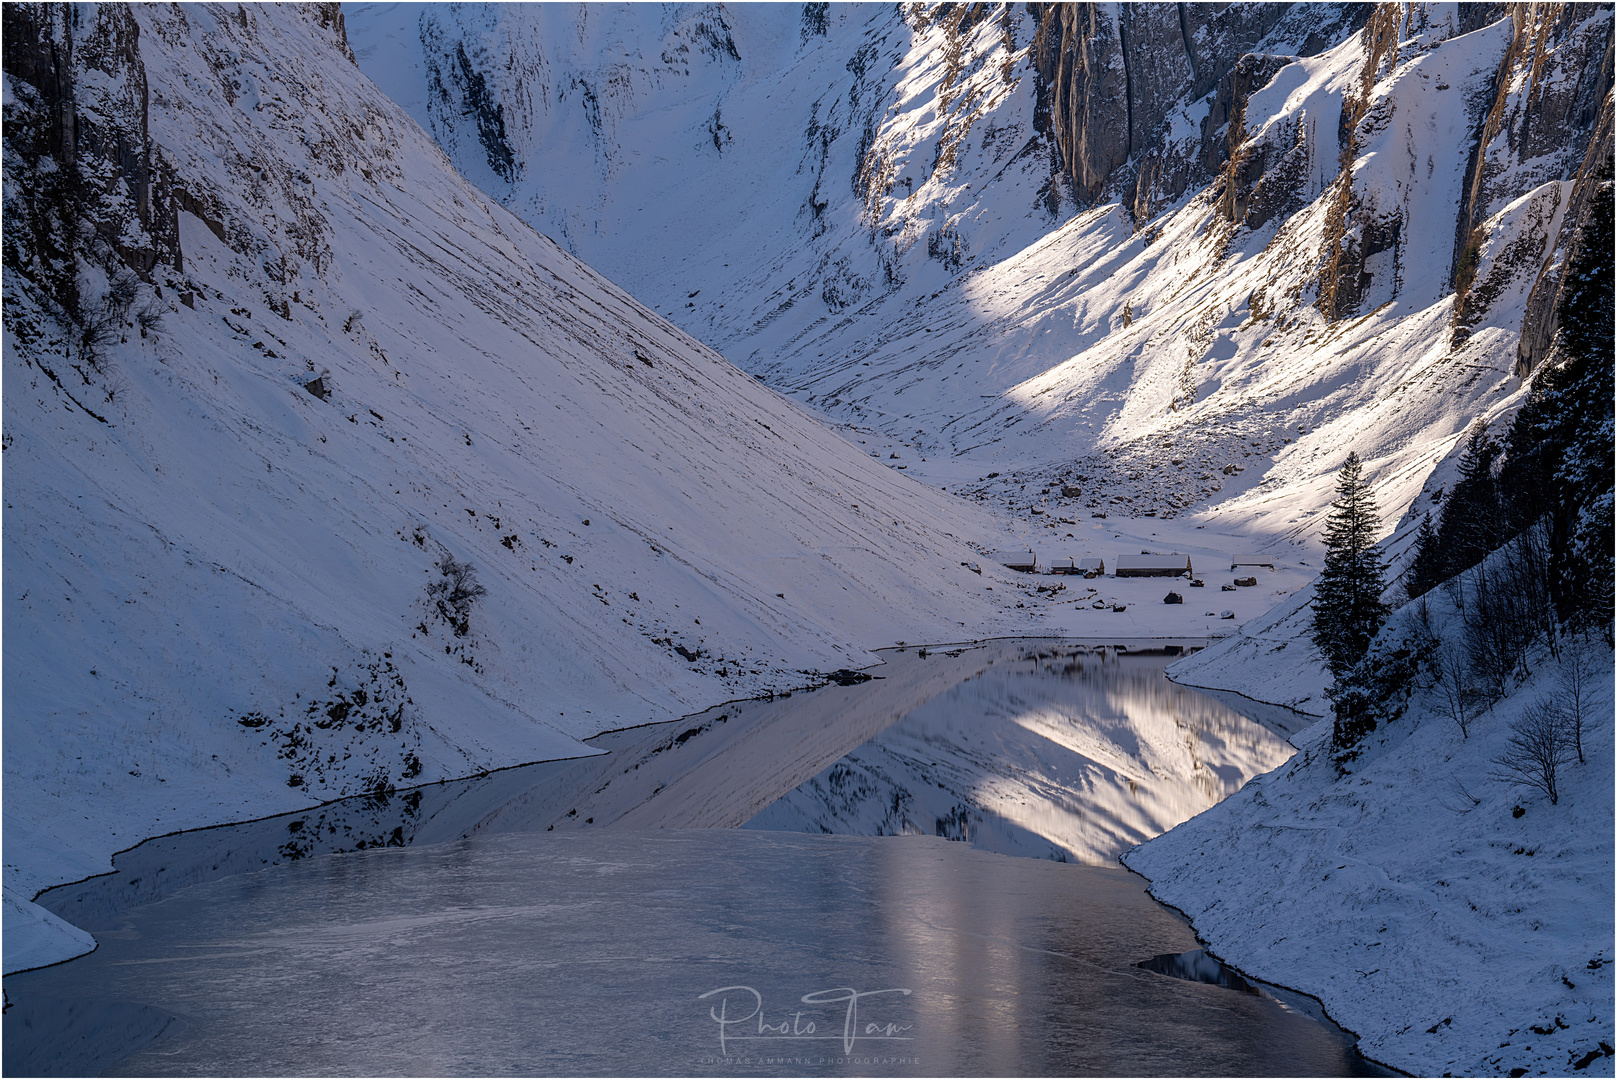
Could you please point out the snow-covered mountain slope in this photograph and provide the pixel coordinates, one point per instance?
(274, 373)
(1458, 925)
(1151, 261)
(1175, 260)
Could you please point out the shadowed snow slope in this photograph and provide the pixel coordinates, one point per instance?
(228, 533)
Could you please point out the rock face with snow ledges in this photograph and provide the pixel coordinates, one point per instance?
(276, 377)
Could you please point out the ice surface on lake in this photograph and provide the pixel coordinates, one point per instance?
(588, 954)
(566, 917)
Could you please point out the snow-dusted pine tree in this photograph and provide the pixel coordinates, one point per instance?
(1347, 594)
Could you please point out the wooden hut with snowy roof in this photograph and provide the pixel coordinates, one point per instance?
(1025, 562)
(1153, 565)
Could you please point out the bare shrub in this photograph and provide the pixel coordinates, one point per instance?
(1524, 574)
(1460, 800)
(1581, 674)
(1457, 696)
(1508, 607)
(102, 323)
(149, 316)
(455, 592)
(1538, 749)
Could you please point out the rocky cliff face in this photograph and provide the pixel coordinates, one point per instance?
(1108, 79)
(1111, 76)
(1550, 120)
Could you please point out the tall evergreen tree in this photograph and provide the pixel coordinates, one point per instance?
(1473, 516)
(1426, 568)
(1347, 594)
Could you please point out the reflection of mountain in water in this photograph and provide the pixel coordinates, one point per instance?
(1069, 755)
(1020, 747)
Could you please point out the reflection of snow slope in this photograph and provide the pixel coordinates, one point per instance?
(1069, 755)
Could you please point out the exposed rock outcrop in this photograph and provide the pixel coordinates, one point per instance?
(1262, 177)
(82, 146)
(1548, 97)
(1541, 321)
(1355, 228)
(1110, 81)
(1083, 94)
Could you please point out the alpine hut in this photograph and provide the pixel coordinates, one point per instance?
(1153, 565)
(1025, 562)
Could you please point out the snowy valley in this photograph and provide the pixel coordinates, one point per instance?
(934, 232)
(398, 393)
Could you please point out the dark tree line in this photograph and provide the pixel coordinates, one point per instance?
(1554, 468)
(1540, 502)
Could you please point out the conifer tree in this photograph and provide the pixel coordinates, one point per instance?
(1347, 594)
(1560, 460)
(1473, 516)
(1581, 571)
(1426, 569)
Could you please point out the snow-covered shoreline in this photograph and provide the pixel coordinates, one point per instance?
(34, 937)
(1455, 924)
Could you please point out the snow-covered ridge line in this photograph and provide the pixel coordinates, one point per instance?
(325, 473)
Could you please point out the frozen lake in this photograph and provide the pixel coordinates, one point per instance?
(606, 916)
